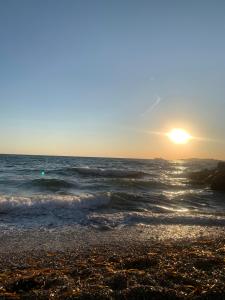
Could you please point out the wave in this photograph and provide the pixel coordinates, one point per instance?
(140, 184)
(99, 172)
(107, 200)
(46, 204)
(126, 201)
(120, 200)
(123, 201)
(100, 210)
(175, 219)
(121, 219)
(50, 184)
(102, 201)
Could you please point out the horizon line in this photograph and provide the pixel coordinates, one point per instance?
(112, 157)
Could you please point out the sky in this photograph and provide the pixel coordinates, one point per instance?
(103, 78)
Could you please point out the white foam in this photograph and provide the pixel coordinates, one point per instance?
(81, 201)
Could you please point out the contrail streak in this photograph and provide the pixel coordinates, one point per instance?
(153, 106)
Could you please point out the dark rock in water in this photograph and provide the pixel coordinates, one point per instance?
(215, 178)
(221, 166)
(201, 177)
(218, 181)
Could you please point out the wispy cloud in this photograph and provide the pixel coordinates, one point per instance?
(152, 106)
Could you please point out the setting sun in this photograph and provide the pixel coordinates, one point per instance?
(179, 136)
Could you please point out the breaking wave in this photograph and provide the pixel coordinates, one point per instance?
(46, 204)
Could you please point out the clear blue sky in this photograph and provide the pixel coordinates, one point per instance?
(97, 77)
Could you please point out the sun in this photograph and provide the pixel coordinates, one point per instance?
(179, 136)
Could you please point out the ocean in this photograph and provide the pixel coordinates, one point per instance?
(51, 192)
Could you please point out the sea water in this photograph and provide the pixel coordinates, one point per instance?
(51, 192)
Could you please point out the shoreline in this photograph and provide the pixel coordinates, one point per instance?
(117, 265)
(67, 238)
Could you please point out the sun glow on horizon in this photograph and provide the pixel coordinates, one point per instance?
(179, 136)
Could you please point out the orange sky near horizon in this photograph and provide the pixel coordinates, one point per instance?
(143, 145)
